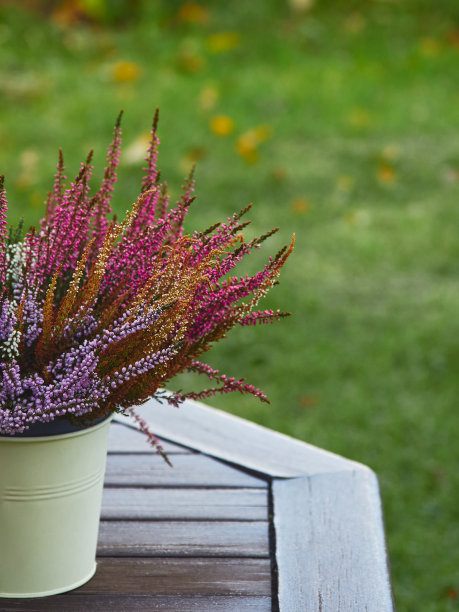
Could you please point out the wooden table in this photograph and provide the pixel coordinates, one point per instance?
(246, 520)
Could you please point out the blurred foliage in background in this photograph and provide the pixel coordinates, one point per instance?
(340, 121)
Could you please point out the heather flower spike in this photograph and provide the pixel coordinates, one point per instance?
(3, 231)
(96, 316)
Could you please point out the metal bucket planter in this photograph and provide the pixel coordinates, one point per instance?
(50, 500)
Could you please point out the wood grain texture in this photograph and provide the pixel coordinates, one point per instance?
(188, 471)
(181, 577)
(125, 439)
(330, 544)
(160, 582)
(185, 504)
(238, 441)
(185, 539)
(74, 602)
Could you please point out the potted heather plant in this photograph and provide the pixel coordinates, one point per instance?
(96, 316)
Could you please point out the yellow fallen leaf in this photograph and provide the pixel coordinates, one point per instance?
(66, 14)
(221, 125)
(451, 175)
(246, 146)
(452, 37)
(95, 9)
(190, 159)
(29, 159)
(279, 173)
(263, 132)
(351, 217)
(223, 41)
(362, 218)
(258, 134)
(196, 153)
(300, 206)
(248, 142)
(137, 150)
(208, 97)
(185, 165)
(190, 61)
(306, 401)
(192, 12)
(452, 594)
(390, 152)
(301, 6)
(386, 173)
(430, 47)
(126, 72)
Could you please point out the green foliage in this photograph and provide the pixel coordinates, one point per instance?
(361, 160)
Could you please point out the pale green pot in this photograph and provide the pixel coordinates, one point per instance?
(50, 500)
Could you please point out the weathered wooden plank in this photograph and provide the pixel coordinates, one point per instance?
(329, 534)
(330, 547)
(162, 576)
(125, 439)
(187, 471)
(74, 602)
(238, 441)
(185, 504)
(183, 539)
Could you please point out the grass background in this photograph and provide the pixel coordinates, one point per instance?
(340, 121)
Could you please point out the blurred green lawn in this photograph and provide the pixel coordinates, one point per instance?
(340, 121)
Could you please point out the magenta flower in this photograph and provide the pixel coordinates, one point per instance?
(97, 316)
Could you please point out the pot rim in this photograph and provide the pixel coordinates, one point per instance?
(69, 434)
